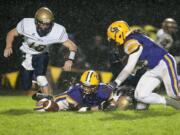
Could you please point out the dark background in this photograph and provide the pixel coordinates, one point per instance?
(83, 20)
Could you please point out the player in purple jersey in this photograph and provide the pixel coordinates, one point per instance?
(87, 95)
(161, 66)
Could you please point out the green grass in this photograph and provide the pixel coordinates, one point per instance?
(18, 118)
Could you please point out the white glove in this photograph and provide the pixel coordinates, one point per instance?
(83, 109)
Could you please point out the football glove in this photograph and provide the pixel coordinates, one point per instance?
(112, 86)
(107, 105)
(84, 109)
(104, 105)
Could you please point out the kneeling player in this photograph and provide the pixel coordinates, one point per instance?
(88, 95)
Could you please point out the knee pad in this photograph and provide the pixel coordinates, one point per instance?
(42, 81)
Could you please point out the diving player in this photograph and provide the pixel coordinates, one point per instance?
(88, 95)
(39, 33)
(161, 64)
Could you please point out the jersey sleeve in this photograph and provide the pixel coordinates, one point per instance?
(20, 27)
(74, 94)
(104, 92)
(131, 46)
(63, 36)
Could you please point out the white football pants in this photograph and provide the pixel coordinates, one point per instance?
(165, 71)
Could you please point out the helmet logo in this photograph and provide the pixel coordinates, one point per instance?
(114, 29)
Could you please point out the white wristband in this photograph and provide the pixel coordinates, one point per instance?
(72, 55)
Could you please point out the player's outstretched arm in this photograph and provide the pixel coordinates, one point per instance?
(73, 49)
(132, 61)
(9, 42)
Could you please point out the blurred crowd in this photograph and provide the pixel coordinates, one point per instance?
(90, 36)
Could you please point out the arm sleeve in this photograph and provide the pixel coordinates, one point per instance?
(75, 95)
(20, 27)
(63, 36)
(132, 61)
(104, 92)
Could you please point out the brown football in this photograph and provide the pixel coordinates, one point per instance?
(50, 106)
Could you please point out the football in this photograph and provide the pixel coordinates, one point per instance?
(50, 106)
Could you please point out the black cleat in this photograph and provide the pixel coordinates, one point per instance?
(38, 96)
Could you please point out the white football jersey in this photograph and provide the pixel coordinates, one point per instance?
(164, 39)
(33, 43)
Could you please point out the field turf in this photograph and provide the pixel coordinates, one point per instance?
(18, 118)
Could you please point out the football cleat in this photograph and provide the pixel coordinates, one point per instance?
(38, 96)
(172, 102)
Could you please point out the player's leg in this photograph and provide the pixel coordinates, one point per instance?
(40, 63)
(144, 90)
(148, 82)
(26, 80)
(170, 77)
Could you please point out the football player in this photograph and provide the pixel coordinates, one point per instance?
(88, 95)
(161, 66)
(164, 35)
(39, 32)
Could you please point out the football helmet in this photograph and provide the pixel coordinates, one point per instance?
(118, 32)
(124, 102)
(44, 19)
(89, 80)
(169, 25)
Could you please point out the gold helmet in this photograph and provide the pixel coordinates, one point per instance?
(44, 19)
(124, 102)
(118, 32)
(169, 25)
(44, 15)
(89, 80)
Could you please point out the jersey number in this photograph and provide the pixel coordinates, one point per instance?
(36, 47)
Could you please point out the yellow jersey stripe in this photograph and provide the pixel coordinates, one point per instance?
(71, 101)
(173, 73)
(60, 97)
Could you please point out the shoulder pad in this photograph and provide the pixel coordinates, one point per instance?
(131, 46)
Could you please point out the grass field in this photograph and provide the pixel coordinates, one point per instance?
(17, 118)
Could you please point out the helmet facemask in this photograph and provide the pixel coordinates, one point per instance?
(43, 28)
(120, 37)
(89, 89)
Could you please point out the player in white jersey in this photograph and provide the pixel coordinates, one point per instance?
(39, 33)
(164, 35)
